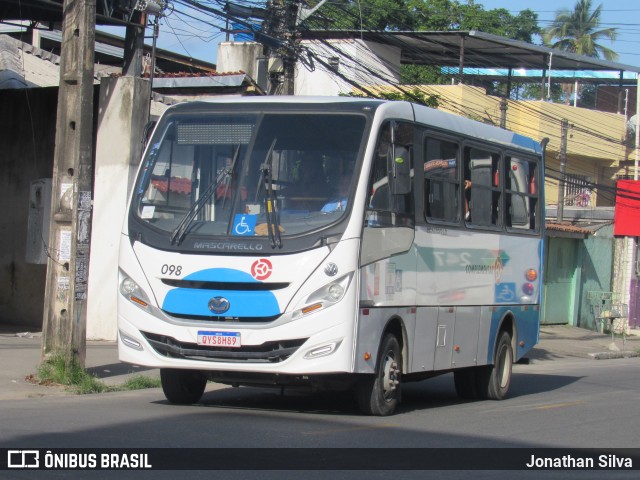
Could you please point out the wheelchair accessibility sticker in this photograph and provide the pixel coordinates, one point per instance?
(505, 292)
(244, 224)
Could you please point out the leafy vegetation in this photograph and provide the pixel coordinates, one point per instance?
(415, 95)
(424, 15)
(59, 370)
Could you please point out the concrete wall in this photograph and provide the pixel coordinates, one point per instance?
(366, 63)
(123, 113)
(239, 57)
(27, 137)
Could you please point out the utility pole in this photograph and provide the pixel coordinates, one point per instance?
(281, 24)
(282, 50)
(64, 323)
(291, 51)
(134, 45)
(503, 113)
(564, 128)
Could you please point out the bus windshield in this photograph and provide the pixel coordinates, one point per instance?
(259, 175)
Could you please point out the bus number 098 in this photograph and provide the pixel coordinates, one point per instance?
(171, 270)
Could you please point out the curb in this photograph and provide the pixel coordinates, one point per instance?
(612, 355)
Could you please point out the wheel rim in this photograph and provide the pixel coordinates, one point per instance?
(390, 376)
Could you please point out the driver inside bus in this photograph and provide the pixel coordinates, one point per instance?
(338, 202)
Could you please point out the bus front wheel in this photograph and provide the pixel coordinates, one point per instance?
(379, 394)
(183, 387)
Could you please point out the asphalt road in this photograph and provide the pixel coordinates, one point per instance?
(565, 404)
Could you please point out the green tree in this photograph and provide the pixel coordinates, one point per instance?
(448, 15)
(423, 15)
(376, 15)
(579, 31)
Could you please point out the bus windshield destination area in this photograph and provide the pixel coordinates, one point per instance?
(332, 243)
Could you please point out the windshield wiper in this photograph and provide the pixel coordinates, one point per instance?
(271, 211)
(226, 174)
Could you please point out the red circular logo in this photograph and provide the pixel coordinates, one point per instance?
(261, 269)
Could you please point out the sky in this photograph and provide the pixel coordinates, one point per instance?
(185, 36)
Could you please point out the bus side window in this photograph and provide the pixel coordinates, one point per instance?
(482, 187)
(441, 181)
(522, 195)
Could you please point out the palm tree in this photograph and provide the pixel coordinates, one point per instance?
(578, 31)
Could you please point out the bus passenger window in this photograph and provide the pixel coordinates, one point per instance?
(482, 188)
(521, 194)
(441, 181)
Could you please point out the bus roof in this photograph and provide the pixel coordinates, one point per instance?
(471, 128)
(437, 119)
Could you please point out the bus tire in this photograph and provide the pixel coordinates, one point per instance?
(380, 394)
(182, 387)
(494, 380)
(465, 382)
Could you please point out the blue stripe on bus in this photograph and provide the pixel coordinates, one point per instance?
(221, 275)
(191, 301)
(186, 301)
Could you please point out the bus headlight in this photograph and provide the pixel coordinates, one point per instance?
(132, 292)
(324, 297)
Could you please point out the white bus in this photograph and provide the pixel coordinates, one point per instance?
(332, 243)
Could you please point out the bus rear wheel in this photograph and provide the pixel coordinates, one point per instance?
(493, 380)
(182, 387)
(379, 394)
(465, 381)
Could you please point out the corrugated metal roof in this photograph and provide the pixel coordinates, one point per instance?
(29, 66)
(11, 72)
(480, 50)
(40, 70)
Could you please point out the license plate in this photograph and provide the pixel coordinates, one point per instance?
(219, 339)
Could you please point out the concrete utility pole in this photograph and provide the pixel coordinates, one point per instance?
(503, 113)
(563, 168)
(134, 45)
(64, 324)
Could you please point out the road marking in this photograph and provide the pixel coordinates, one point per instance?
(348, 429)
(559, 405)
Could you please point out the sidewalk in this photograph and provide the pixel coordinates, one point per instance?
(562, 341)
(20, 357)
(20, 354)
